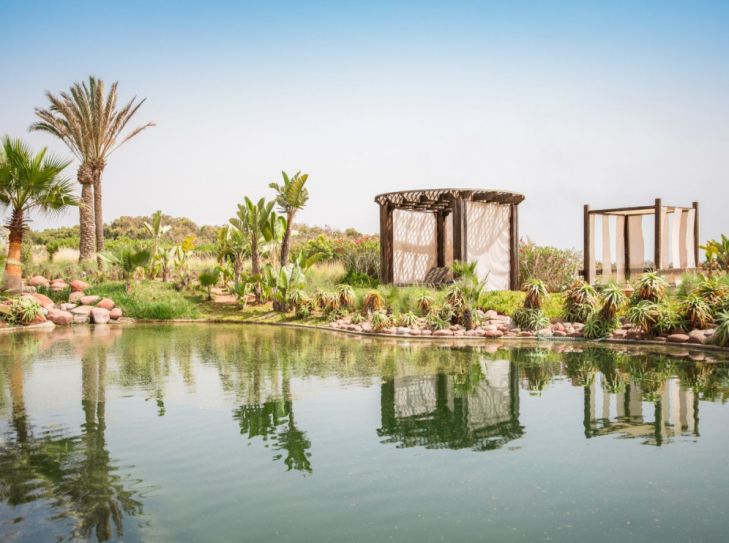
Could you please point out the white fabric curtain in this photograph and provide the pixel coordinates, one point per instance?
(620, 249)
(690, 256)
(682, 240)
(676, 238)
(449, 239)
(414, 245)
(607, 263)
(637, 243)
(591, 255)
(665, 236)
(487, 242)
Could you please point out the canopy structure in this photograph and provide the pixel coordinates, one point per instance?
(423, 231)
(675, 240)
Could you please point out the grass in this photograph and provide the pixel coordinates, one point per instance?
(150, 300)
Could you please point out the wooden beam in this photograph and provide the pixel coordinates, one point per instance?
(386, 243)
(514, 248)
(658, 236)
(697, 242)
(586, 247)
(460, 251)
(626, 243)
(440, 238)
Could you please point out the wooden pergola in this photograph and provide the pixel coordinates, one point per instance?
(682, 236)
(450, 208)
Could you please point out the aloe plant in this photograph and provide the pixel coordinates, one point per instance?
(536, 293)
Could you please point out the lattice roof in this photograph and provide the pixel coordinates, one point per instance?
(442, 199)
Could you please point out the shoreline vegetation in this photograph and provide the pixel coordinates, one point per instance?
(260, 265)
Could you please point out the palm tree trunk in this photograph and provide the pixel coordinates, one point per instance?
(98, 217)
(13, 281)
(87, 233)
(286, 238)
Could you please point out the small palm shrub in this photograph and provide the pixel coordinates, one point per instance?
(407, 319)
(644, 315)
(455, 296)
(580, 302)
(612, 300)
(380, 320)
(696, 311)
(22, 311)
(347, 296)
(532, 319)
(721, 335)
(651, 287)
(599, 326)
(372, 301)
(208, 279)
(425, 301)
(536, 293)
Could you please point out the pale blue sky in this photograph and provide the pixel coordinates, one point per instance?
(608, 103)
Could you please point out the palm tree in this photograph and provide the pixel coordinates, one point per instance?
(127, 260)
(157, 231)
(291, 196)
(90, 124)
(254, 222)
(28, 182)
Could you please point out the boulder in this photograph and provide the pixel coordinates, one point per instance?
(58, 284)
(81, 318)
(82, 310)
(40, 319)
(108, 303)
(493, 333)
(78, 286)
(99, 315)
(90, 300)
(678, 338)
(696, 336)
(544, 332)
(442, 333)
(526, 333)
(38, 281)
(44, 301)
(402, 331)
(75, 297)
(559, 333)
(491, 314)
(415, 331)
(426, 332)
(558, 327)
(620, 333)
(67, 307)
(389, 331)
(60, 317)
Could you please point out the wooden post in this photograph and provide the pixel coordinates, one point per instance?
(460, 251)
(440, 238)
(386, 243)
(695, 205)
(514, 248)
(626, 242)
(658, 236)
(587, 271)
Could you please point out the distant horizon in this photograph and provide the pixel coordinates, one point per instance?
(608, 105)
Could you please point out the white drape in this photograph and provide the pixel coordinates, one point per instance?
(665, 234)
(591, 255)
(607, 264)
(414, 245)
(487, 242)
(619, 249)
(637, 243)
(676, 239)
(690, 256)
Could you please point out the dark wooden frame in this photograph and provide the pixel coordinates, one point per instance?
(589, 272)
(444, 202)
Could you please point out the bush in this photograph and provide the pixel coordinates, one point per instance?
(528, 318)
(58, 296)
(580, 302)
(148, 300)
(600, 326)
(359, 280)
(22, 311)
(721, 336)
(558, 268)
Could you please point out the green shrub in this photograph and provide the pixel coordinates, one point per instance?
(580, 302)
(347, 296)
(535, 293)
(612, 300)
(407, 319)
(22, 310)
(149, 300)
(721, 335)
(557, 268)
(372, 301)
(380, 320)
(600, 326)
(696, 311)
(528, 318)
(360, 280)
(58, 296)
(668, 319)
(651, 287)
(644, 315)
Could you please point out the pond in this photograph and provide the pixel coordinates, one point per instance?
(255, 433)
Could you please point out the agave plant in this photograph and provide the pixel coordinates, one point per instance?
(712, 291)
(407, 319)
(425, 302)
(528, 318)
(536, 293)
(613, 299)
(435, 322)
(347, 296)
(599, 326)
(651, 287)
(380, 320)
(372, 301)
(721, 335)
(580, 301)
(668, 320)
(696, 311)
(644, 315)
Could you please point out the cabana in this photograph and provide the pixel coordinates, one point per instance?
(675, 240)
(423, 231)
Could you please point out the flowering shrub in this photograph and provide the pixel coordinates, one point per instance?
(557, 268)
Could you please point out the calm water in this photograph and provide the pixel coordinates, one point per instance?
(232, 433)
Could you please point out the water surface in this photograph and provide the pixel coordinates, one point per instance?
(244, 433)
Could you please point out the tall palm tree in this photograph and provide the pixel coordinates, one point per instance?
(254, 221)
(28, 183)
(88, 122)
(291, 196)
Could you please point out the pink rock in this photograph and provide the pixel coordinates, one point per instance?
(38, 281)
(59, 317)
(82, 310)
(426, 333)
(677, 338)
(696, 336)
(493, 333)
(58, 284)
(40, 319)
(75, 297)
(526, 333)
(99, 315)
(106, 303)
(116, 314)
(89, 300)
(559, 333)
(442, 333)
(78, 286)
(44, 301)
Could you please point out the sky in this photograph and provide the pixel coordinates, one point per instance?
(605, 103)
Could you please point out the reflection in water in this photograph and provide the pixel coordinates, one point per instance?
(432, 397)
